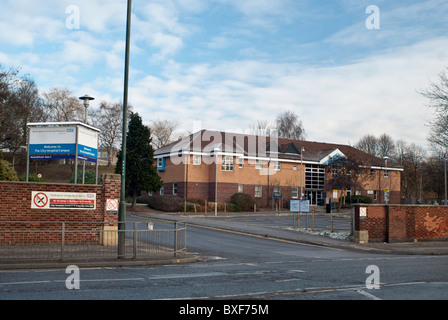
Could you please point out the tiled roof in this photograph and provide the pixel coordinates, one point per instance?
(258, 146)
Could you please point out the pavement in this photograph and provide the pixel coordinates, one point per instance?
(225, 222)
(231, 222)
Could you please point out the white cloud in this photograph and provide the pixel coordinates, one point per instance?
(336, 104)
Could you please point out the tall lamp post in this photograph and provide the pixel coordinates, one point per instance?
(122, 205)
(86, 100)
(444, 173)
(386, 175)
(215, 152)
(301, 170)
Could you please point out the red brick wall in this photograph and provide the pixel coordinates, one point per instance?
(15, 205)
(397, 223)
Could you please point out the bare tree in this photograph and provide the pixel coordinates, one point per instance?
(368, 143)
(109, 119)
(20, 103)
(62, 105)
(289, 126)
(161, 132)
(386, 146)
(437, 93)
(261, 128)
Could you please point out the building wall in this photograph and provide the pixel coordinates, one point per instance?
(198, 181)
(398, 223)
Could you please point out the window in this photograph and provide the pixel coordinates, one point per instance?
(258, 164)
(386, 173)
(258, 191)
(175, 188)
(161, 164)
(240, 188)
(375, 195)
(240, 162)
(162, 190)
(196, 160)
(227, 163)
(277, 166)
(294, 168)
(315, 177)
(277, 190)
(294, 192)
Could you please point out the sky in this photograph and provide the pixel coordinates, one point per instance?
(347, 68)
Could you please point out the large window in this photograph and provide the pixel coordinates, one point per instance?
(314, 177)
(227, 163)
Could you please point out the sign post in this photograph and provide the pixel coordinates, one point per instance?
(300, 206)
(62, 140)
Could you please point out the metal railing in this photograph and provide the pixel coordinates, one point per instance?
(63, 241)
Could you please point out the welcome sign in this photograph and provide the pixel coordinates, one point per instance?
(63, 140)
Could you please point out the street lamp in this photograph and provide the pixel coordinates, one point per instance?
(301, 170)
(122, 205)
(386, 175)
(86, 100)
(215, 152)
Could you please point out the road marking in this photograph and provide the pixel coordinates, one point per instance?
(194, 275)
(23, 282)
(368, 295)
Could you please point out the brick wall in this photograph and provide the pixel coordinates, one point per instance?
(398, 223)
(15, 205)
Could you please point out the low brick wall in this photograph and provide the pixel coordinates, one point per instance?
(16, 205)
(400, 223)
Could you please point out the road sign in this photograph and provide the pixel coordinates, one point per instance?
(300, 206)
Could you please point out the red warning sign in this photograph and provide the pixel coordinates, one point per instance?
(62, 200)
(40, 200)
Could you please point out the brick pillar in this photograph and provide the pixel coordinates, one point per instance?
(111, 185)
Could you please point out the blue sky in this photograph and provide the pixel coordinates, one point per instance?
(229, 63)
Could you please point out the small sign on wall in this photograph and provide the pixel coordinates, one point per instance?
(363, 212)
(111, 206)
(63, 200)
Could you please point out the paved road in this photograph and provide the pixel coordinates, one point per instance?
(237, 266)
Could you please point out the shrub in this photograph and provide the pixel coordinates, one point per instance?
(166, 203)
(242, 202)
(32, 177)
(89, 178)
(358, 199)
(7, 172)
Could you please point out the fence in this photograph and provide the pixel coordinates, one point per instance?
(64, 241)
(318, 220)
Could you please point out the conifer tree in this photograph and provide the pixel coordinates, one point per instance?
(141, 174)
